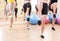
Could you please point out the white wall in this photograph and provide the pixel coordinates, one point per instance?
(33, 3)
(58, 7)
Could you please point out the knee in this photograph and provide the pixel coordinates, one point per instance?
(54, 15)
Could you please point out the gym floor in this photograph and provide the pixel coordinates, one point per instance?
(19, 31)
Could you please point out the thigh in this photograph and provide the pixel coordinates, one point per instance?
(54, 5)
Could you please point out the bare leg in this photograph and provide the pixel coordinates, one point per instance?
(54, 18)
(28, 24)
(42, 25)
(24, 16)
(11, 23)
(11, 14)
(5, 13)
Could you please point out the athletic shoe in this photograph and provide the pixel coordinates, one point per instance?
(42, 36)
(28, 28)
(53, 28)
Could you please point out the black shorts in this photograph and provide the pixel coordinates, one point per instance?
(45, 9)
(53, 1)
(25, 6)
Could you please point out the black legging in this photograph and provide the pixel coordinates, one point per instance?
(16, 10)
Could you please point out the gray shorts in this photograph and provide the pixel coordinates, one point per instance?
(9, 5)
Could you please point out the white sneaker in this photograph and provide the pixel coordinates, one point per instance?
(10, 28)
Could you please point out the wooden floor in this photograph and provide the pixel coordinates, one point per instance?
(19, 32)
